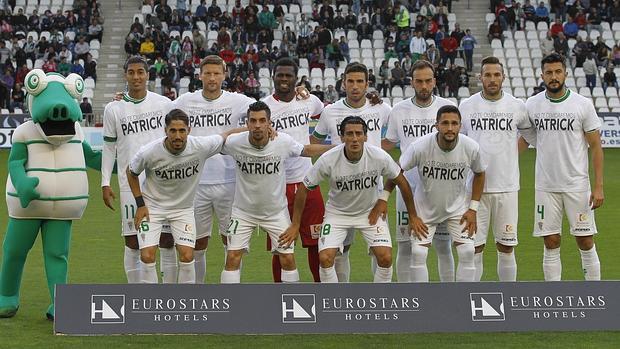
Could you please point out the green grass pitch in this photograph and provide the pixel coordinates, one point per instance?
(97, 254)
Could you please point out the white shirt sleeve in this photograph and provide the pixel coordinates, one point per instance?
(590, 120)
(139, 161)
(408, 159)
(315, 175)
(317, 107)
(109, 146)
(322, 129)
(478, 164)
(295, 148)
(210, 145)
(392, 128)
(391, 169)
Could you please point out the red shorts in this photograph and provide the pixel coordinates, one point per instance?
(312, 217)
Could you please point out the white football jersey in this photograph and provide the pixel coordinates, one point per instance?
(260, 192)
(292, 118)
(375, 116)
(408, 121)
(495, 126)
(441, 193)
(132, 123)
(353, 186)
(171, 179)
(213, 117)
(561, 146)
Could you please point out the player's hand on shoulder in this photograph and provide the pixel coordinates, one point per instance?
(469, 218)
(288, 237)
(117, 96)
(374, 98)
(301, 93)
(142, 214)
(108, 197)
(272, 133)
(379, 210)
(417, 227)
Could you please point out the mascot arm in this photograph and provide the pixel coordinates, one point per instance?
(24, 185)
(93, 157)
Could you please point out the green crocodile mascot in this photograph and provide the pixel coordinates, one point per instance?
(47, 187)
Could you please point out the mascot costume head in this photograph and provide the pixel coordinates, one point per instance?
(47, 187)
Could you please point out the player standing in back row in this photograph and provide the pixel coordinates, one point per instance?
(566, 125)
(494, 119)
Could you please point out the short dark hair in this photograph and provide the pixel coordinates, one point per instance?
(213, 59)
(258, 106)
(176, 114)
(135, 60)
(352, 120)
(356, 67)
(448, 109)
(422, 64)
(286, 62)
(490, 60)
(553, 58)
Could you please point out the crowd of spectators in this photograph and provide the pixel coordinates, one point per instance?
(55, 42)
(571, 17)
(252, 37)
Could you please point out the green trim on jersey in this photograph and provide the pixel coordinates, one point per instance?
(423, 106)
(56, 170)
(318, 135)
(491, 100)
(208, 99)
(344, 101)
(558, 100)
(42, 141)
(53, 198)
(128, 98)
(109, 139)
(312, 187)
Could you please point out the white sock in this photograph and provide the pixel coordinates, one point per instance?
(506, 266)
(200, 265)
(465, 271)
(479, 264)
(289, 276)
(187, 273)
(168, 265)
(328, 275)
(445, 260)
(148, 273)
(590, 264)
(373, 264)
(230, 277)
(342, 267)
(132, 265)
(419, 270)
(552, 264)
(383, 274)
(403, 262)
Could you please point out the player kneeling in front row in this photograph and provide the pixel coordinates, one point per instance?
(354, 170)
(443, 160)
(260, 199)
(172, 165)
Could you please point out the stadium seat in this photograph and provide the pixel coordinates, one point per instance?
(613, 102)
(265, 82)
(395, 100)
(515, 72)
(397, 92)
(263, 73)
(585, 91)
(496, 43)
(542, 26)
(409, 91)
(316, 73)
(510, 53)
(95, 44)
(463, 92)
(351, 35)
(600, 102)
(519, 92)
(377, 35)
(89, 83)
(498, 52)
(529, 82)
(528, 72)
(367, 53)
(509, 44)
(303, 63)
(303, 72)
(598, 92)
(489, 17)
(146, 9)
(524, 53)
(521, 43)
(517, 82)
(353, 43)
(519, 35)
(365, 43)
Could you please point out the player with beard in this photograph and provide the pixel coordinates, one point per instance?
(291, 115)
(494, 119)
(443, 159)
(566, 126)
(409, 120)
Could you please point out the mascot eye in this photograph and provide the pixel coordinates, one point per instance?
(74, 84)
(36, 82)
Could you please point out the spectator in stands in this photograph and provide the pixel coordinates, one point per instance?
(602, 51)
(529, 12)
(420, 24)
(34, 21)
(340, 87)
(304, 82)
(163, 11)
(561, 45)
(581, 51)
(615, 11)
(17, 98)
(559, 8)
(417, 46)
(21, 74)
(452, 77)
(377, 20)
(344, 49)
(593, 20)
(372, 79)
(364, 30)
(571, 29)
(50, 65)
(458, 34)
(495, 32)
(398, 77)
(266, 19)
(547, 45)
(30, 49)
(95, 31)
(82, 48)
(615, 55)
(403, 44)
(77, 68)
(6, 86)
(450, 46)
(610, 79)
(433, 55)
(468, 43)
(427, 10)
(90, 67)
(541, 14)
(402, 17)
(330, 95)
(350, 21)
(463, 77)
(406, 63)
(87, 111)
(556, 27)
(64, 67)
(501, 14)
(5, 55)
(581, 20)
(41, 47)
(20, 21)
(591, 71)
(384, 78)
(318, 93)
(333, 54)
(516, 17)
(252, 86)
